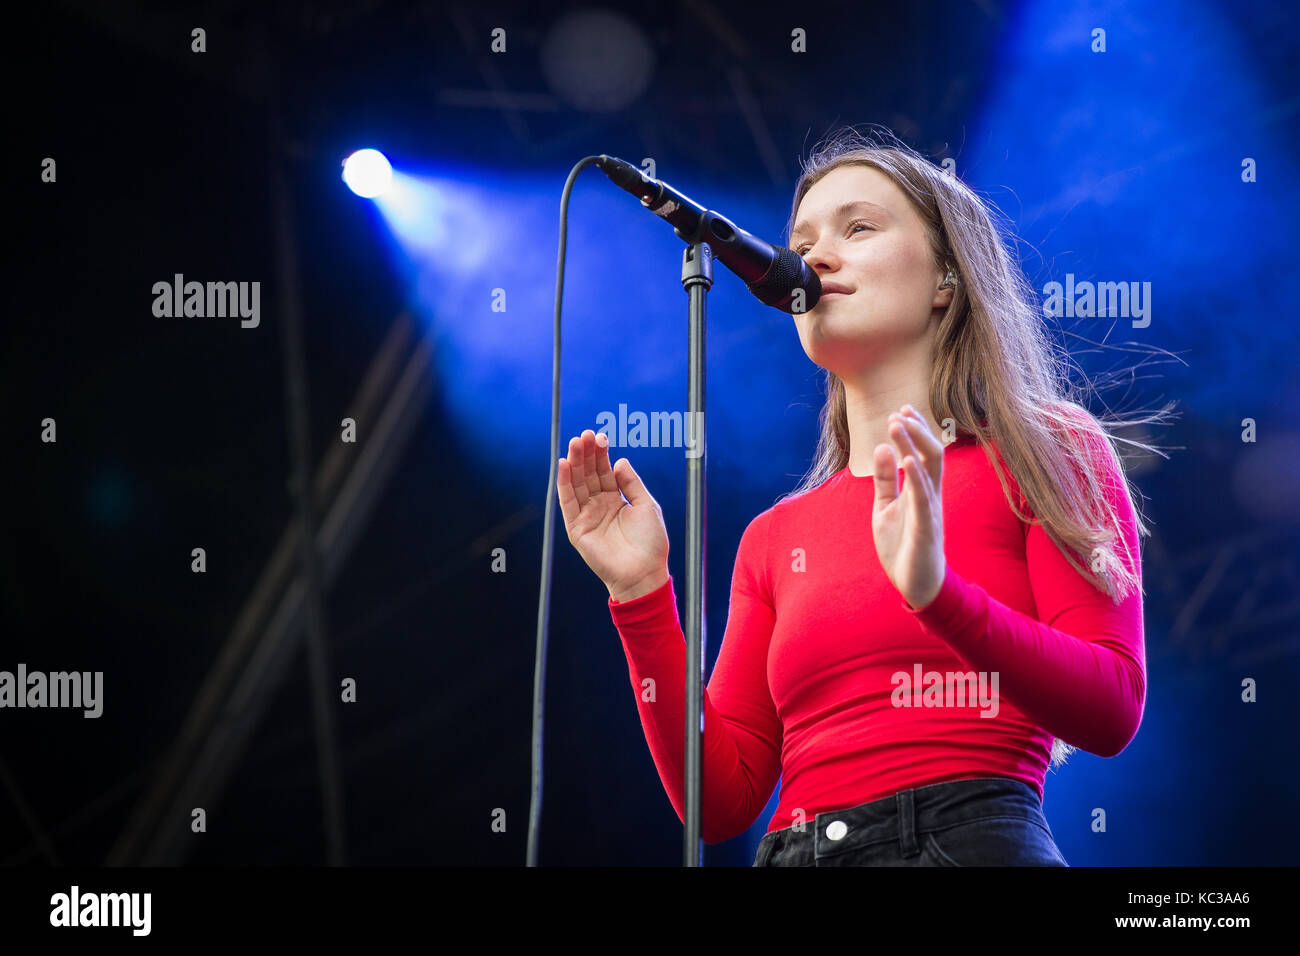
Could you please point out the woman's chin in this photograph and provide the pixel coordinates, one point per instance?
(844, 354)
(830, 359)
(836, 336)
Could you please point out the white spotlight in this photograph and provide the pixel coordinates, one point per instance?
(368, 173)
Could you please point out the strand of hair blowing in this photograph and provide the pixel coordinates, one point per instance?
(998, 376)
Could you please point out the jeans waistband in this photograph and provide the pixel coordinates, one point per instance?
(921, 809)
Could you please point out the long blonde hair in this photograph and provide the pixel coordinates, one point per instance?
(997, 374)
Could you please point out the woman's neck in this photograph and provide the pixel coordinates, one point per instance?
(874, 395)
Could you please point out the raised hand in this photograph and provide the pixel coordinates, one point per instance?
(908, 527)
(612, 521)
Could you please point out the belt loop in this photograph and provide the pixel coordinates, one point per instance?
(908, 844)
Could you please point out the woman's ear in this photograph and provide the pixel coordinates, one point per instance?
(947, 288)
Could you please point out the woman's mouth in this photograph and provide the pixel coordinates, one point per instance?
(834, 288)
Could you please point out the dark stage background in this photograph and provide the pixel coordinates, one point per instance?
(175, 433)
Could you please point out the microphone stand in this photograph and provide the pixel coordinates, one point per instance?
(697, 279)
(778, 279)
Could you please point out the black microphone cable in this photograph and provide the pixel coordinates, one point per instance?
(548, 527)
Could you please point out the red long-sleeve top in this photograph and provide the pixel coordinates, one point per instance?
(821, 655)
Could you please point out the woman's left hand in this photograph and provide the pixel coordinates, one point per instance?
(908, 528)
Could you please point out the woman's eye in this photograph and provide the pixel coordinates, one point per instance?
(803, 250)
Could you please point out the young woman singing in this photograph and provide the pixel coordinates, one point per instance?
(951, 595)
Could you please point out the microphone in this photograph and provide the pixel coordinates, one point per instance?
(778, 277)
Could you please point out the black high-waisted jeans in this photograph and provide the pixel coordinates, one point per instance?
(989, 821)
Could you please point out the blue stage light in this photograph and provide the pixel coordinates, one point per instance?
(368, 173)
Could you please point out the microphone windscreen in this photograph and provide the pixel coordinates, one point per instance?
(783, 283)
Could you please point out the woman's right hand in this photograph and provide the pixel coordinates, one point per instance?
(623, 541)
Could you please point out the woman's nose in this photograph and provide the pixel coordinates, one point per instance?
(821, 255)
